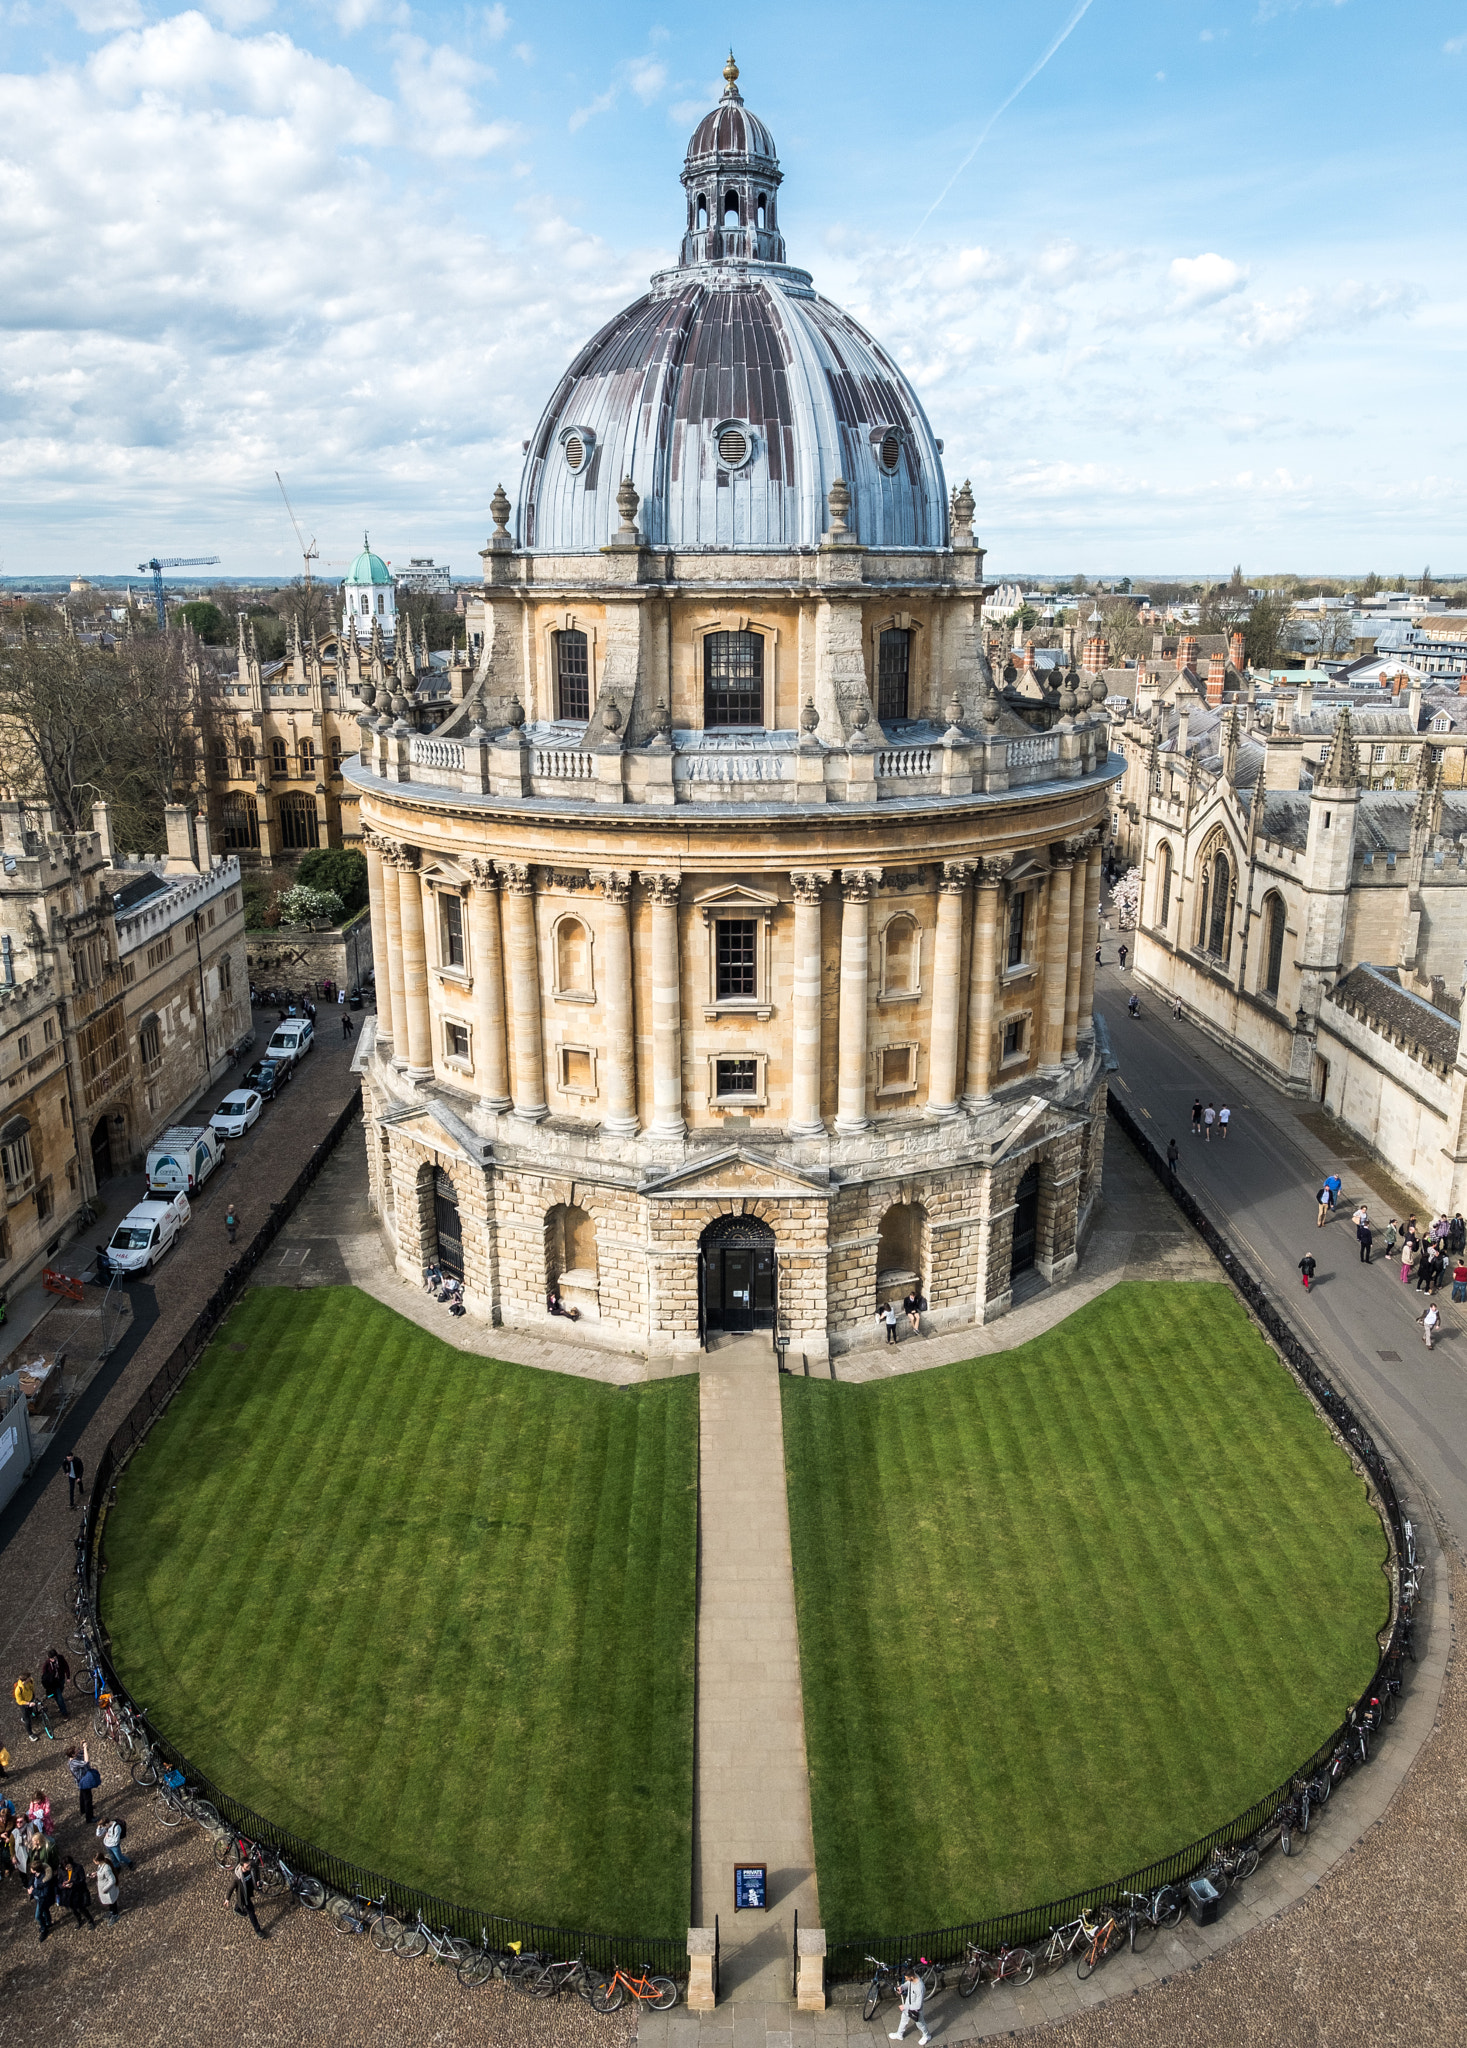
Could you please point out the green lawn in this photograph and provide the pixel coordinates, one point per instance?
(433, 1611)
(1066, 1608)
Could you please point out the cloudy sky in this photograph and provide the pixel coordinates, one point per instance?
(1180, 282)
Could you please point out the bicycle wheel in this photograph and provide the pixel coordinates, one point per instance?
(664, 1996)
(1143, 1933)
(458, 1953)
(77, 1641)
(609, 1995)
(1086, 1965)
(476, 1969)
(1286, 1840)
(226, 1848)
(269, 1877)
(547, 1982)
(83, 1682)
(873, 1999)
(129, 1742)
(311, 1892)
(145, 1769)
(386, 1932)
(343, 1914)
(1172, 1905)
(411, 1942)
(203, 1812)
(971, 1978)
(1020, 1969)
(1246, 1865)
(170, 1810)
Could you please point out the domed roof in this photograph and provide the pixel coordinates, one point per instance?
(368, 568)
(732, 393)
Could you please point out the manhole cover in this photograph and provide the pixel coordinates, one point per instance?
(1389, 1357)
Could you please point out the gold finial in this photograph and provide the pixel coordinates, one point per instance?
(731, 72)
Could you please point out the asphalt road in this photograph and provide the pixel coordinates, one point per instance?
(1258, 1185)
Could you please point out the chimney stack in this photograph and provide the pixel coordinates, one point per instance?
(180, 841)
(1217, 668)
(1186, 652)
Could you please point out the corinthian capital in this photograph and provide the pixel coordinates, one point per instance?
(482, 874)
(517, 876)
(809, 887)
(663, 889)
(993, 871)
(615, 887)
(956, 875)
(858, 885)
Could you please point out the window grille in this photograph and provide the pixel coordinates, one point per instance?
(736, 958)
(893, 663)
(573, 676)
(733, 679)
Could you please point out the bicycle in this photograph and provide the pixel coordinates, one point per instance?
(1230, 1865)
(422, 1940)
(487, 1962)
(1102, 1937)
(1061, 1945)
(175, 1803)
(1007, 1963)
(354, 1914)
(274, 1874)
(547, 1976)
(609, 1994)
(114, 1721)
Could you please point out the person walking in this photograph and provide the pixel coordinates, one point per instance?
(1429, 1323)
(1366, 1237)
(1209, 1118)
(348, 1029)
(913, 1997)
(54, 1674)
(25, 1699)
(889, 1317)
(105, 1877)
(1408, 1256)
(1306, 1267)
(1097, 957)
(1133, 1006)
(1224, 1118)
(1392, 1237)
(1197, 1118)
(1171, 1157)
(42, 1889)
(1121, 956)
(71, 1891)
(1361, 1215)
(87, 1777)
(1423, 1268)
(1177, 1008)
(72, 1466)
(111, 1834)
(1459, 1280)
(242, 1894)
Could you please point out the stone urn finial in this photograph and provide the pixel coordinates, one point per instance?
(499, 511)
(515, 715)
(611, 718)
(809, 717)
(627, 502)
(954, 710)
(963, 510)
(862, 717)
(839, 499)
(661, 720)
(988, 709)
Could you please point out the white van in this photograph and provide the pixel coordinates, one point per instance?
(145, 1234)
(183, 1158)
(291, 1040)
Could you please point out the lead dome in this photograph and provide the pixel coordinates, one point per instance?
(732, 394)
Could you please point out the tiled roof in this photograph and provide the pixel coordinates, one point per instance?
(1371, 994)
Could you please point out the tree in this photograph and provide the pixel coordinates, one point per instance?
(1371, 585)
(206, 619)
(1264, 628)
(1423, 588)
(1122, 627)
(340, 869)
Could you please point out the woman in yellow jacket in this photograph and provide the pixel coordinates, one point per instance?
(25, 1699)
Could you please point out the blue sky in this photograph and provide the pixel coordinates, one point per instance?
(1198, 298)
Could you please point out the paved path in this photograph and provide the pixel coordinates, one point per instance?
(752, 1801)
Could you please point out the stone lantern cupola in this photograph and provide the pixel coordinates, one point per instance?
(732, 178)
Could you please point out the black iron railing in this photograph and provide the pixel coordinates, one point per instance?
(847, 1954)
(667, 1955)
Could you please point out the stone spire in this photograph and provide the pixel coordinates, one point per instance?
(1341, 767)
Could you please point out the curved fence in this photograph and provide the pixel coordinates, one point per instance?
(848, 1955)
(666, 1955)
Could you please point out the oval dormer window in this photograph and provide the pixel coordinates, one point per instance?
(891, 449)
(733, 447)
(575, 452)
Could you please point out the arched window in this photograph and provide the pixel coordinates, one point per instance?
(1164, 887)
(221, 758)
(1275, 919)
(150, 1042)
(570, 1245)
(901, 957)
(279, 758)
(1214, 912)
(336, 757)
(572, 958)
(700, 220)
(762, 214)
(308, 757)
(893, 662)
(731, 209)
(572, 676)
(733, 679)
(381, 603)
(246, 756)
(298, 823)
(241, 824)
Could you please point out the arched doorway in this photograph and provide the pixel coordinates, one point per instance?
(447, 1225)
(737, 1273)
(1026, 1223)
(102, 1149)
(900, 1261)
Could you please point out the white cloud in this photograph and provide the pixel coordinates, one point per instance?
(102, 17)
(647, 78)
(1456, 46)
(525, 52)
(1203, 280)
(437, 110)
(602, 104)
(495, 21)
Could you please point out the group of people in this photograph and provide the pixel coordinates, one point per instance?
(1206, 1121)
(1427, 1254)
(29, 1852)
(913, 1306)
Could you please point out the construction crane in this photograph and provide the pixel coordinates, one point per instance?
(170, 562)
(308, 554)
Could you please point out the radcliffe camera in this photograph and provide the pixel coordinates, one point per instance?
(731, 984)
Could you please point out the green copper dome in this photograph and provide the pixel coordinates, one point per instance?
(368, 568)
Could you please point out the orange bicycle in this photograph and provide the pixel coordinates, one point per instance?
(658, 1992)
(1102, 1936)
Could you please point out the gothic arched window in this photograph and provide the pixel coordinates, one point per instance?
(1215, 910)
(1164, 887)
(1275, 919)
(279, 758)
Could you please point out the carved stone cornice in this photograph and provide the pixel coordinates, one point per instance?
(663, 889)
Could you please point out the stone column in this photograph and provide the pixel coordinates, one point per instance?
(522, 968)
(414, 967)
(947, 968)
(855, 976)
(377, 894)
(621, 1040)
(982, 976)
(1056, 963)
(1075, 965)
(491, 1043)
(1089, 942)
(392, 924)
(805, 1118)
(667, 1009)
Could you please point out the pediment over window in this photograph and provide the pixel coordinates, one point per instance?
(737, 1171)
(735, 897)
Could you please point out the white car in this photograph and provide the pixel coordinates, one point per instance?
(146, 1233)
(292, 1040)
(236, 1113)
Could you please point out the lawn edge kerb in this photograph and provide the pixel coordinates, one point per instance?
(847, 1951)
(651, 1473)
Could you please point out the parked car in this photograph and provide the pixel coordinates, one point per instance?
(236, 1113)
(292, 1040)
(183, 1158)
(268, 1077)
(146, 1233)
